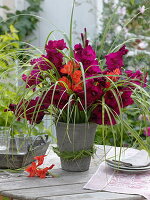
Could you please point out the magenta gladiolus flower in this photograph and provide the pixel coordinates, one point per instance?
(115, 60)
(97, 117)
(32, 110)
(75, 81)
(53, 54)
(33, 79)
(54, 45)
(56, 96)
(137, 77)
(87, 56)
(41, 63)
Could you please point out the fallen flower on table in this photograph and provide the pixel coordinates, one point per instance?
(43, 172)
(40, 159)
(33, 169)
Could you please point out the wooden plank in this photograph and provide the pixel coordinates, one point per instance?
(38, 183)
(64, 192)
(94, 196)
(33, 194)
(59, 172)
(68, 183)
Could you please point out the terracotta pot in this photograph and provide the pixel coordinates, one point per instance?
(73, 138)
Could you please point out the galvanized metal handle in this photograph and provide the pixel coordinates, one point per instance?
(36, 142)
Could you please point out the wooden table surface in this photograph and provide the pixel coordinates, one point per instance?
(67, 186)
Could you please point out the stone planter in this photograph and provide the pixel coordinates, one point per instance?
(75, 138)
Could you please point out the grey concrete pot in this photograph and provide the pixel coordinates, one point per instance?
(74, 138)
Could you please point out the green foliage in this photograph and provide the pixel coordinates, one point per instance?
(112, 136)
(5, 198)
(128, 26)
(24, 21)
(9, 45)
(9, 92)
(140, 24)
(66, 155)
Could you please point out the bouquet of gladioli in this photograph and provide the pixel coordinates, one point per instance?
(76, 87)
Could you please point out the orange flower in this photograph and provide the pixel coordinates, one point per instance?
(114, 72)
(77, 87)
(76, 76)
(32, 169)
(69, 67)
(113, 78)
(40, 159)
(43, 172)
(64, 81)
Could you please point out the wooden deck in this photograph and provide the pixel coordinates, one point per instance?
(67, 186)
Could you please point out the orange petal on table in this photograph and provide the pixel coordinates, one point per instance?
(42, 172)
(40, 159)
(32, 169)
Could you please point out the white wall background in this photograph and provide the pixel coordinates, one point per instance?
(56, 16)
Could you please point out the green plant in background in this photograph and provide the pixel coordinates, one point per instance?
(24, 21)
(10, 71)
(135, 33)
(9, 45)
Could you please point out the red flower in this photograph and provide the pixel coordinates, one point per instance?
(51, 166)
(76, 76)
(69, 67)
(32, 169)
(40, 159)
(64, 82)
(42, 172)
(113, 78)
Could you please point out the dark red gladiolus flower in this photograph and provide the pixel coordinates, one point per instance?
(109, 119)
(112, 100)
(12, 107)
(115, 60)
(53, 54)
(94, 92)
(126, 97)
(33, 79)
(41, 63)
(32, 110)
(57, 96)
(137, 77)
(87, 56)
